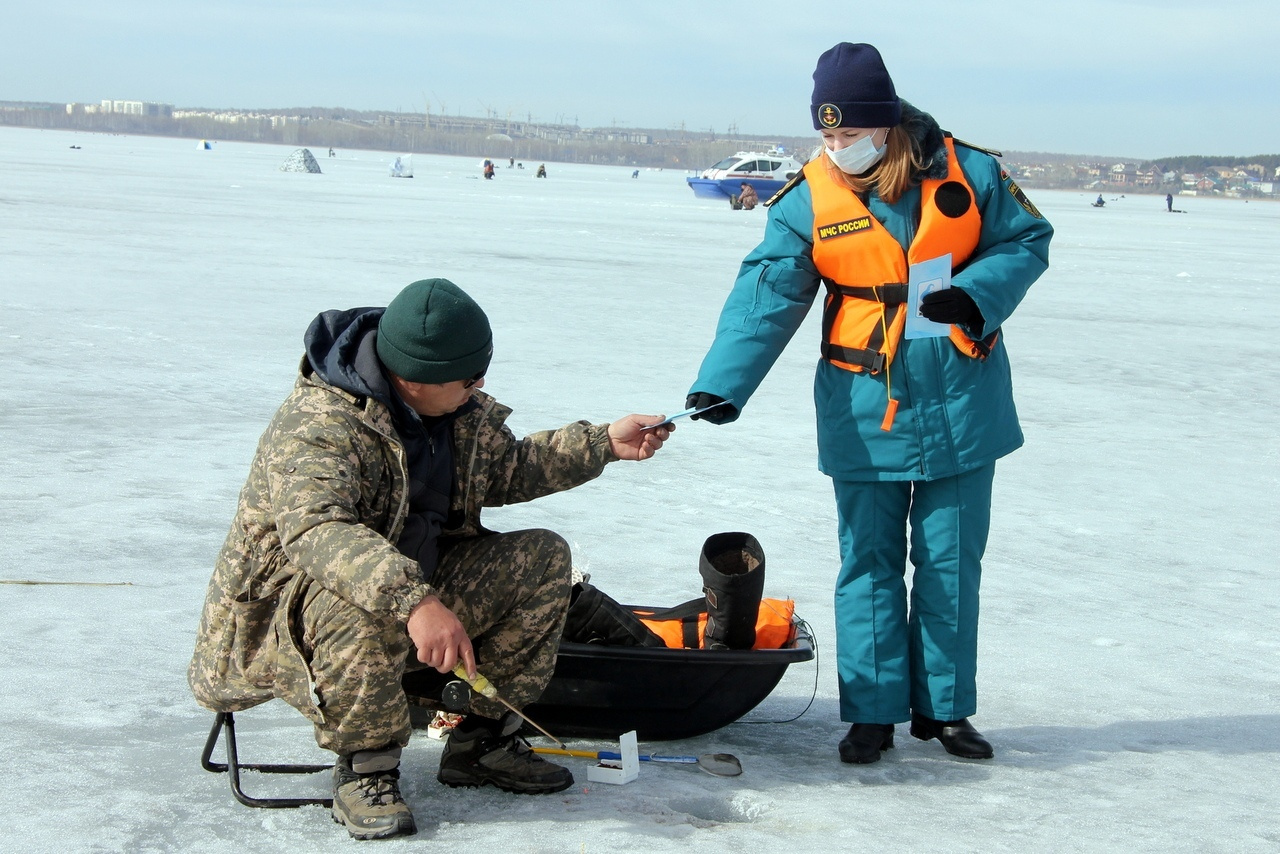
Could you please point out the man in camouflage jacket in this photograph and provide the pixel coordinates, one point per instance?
(357, 550)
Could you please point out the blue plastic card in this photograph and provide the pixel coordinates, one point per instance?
(925, 278)
(695, 411)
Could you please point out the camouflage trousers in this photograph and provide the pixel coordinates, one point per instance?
(510, 592)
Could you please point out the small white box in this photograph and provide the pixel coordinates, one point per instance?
(630, 769)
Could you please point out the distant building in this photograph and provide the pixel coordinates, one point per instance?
(1122, 175)
(135, 108)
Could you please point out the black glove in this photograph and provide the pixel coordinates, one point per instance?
(951, 305)
(701, 400)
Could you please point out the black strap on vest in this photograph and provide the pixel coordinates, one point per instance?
(871, 360)
(688, 614)
(984, 346)
(893, 295)
(890, 293)
(689, 632)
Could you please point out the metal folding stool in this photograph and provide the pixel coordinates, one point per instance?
(225, 722)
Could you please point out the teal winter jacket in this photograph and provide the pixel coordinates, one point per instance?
(955, 413)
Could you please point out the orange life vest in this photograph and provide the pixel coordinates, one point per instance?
(683, 626)
(865, 269)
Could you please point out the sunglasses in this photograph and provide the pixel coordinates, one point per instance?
(469, 383)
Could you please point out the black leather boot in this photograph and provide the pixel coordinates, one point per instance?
(864, 743)
(732, 569)
(958, 738)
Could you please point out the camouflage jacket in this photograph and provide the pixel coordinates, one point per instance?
(325, 501)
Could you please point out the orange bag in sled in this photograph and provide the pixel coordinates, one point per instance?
(683, 626)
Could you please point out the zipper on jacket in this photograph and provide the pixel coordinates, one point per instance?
(467, 479)
(402, 459)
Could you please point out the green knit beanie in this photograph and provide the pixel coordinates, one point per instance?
(434, 333)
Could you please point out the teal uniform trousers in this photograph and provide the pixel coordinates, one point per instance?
(893, 655)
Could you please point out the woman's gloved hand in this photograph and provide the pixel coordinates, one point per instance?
(701, 400)
(951, 305)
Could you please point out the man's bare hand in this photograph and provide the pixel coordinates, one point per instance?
(632, 442)
(441, 640)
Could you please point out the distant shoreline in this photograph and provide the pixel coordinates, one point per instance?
(1034, 170)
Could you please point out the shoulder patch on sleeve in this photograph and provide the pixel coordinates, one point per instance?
(786, 188)
(1020, 196)
(990, 151)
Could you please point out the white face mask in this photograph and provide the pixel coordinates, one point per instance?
(859, 157)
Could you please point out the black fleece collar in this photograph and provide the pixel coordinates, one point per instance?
(928, 141)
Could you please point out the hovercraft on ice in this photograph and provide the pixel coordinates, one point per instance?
(766, 171)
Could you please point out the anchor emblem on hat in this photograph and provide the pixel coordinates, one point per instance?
(829, 115)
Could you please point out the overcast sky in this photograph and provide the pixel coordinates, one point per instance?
(1135, 78)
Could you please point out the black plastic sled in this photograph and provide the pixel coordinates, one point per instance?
(602, 691)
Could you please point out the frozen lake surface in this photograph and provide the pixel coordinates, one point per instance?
(152, 303)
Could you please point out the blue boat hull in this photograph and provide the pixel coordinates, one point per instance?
(722, 188)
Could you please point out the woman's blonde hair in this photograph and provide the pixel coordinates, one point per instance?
(891, 177)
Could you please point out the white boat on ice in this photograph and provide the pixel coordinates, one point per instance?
(765, 171)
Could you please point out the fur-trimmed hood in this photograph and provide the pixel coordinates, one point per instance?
(927, 140)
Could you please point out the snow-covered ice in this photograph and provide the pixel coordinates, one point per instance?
(152, 302)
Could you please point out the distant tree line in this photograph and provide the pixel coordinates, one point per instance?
(338, 127)
(325, 127)
(1198, 163)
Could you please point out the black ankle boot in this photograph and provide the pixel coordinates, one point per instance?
(958, 738)
(864, 743)
(732, 569)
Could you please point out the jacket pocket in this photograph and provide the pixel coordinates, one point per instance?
(232, 667)
(253, 650)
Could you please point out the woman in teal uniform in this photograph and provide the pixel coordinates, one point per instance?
(908, 429)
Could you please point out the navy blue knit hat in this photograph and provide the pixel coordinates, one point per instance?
(852, 89)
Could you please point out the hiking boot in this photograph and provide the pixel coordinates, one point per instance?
(366, 795)
(481, 751)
